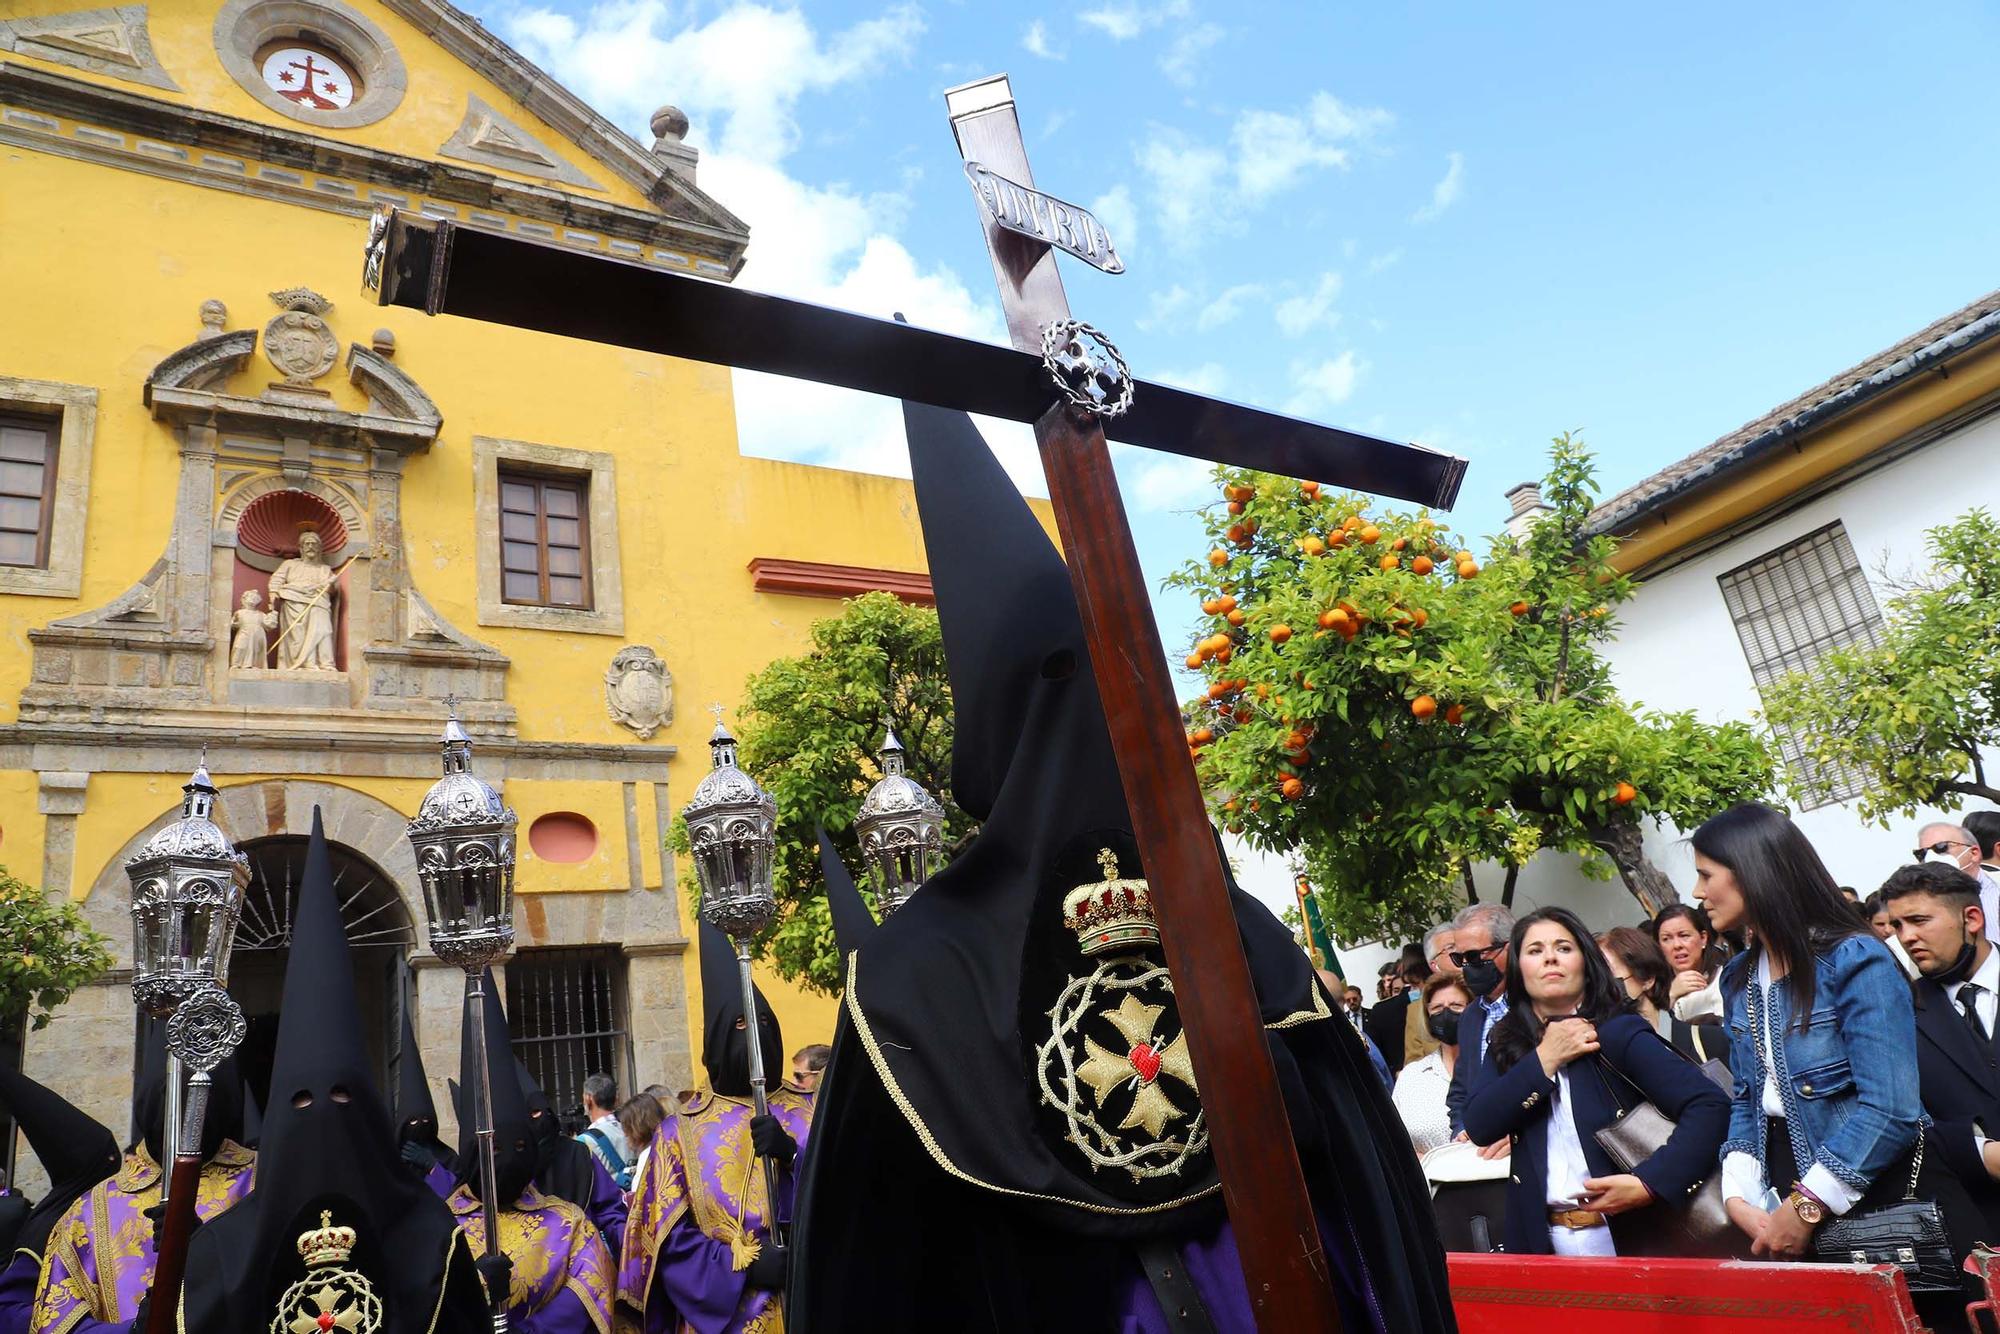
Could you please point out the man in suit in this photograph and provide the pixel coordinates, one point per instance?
(1984, 826)
(1949, 844)
(1481, 933)
(1388, 1023)
(1935, 910)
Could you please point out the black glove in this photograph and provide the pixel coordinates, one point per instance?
(139, 1322)
(498, 1273)
(773, 1262)
(771, 1140)
(418, 1155)
(157, 1213)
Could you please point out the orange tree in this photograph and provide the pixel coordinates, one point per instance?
(50, 950)
(1395, 707)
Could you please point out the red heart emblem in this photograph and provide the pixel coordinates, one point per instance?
(325, 1320)
(1147, 1062)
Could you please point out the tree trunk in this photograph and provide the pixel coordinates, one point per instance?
(1471, 889)
(1507, 887)
(1625, 845)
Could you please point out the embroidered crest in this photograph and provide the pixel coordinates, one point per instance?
(330, 1296)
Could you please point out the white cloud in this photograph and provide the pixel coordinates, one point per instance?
(1123, 21)
(1209, 378)
(1385, 260)
(741, 76)
(1170, 482)
(1035, 41)
(1179, 61)
(1324, 384)
(1166, 308)
(1120, 216)
(1227, 306)
(1301, 314)
(1186, 180)
(1446, 192)
(1274, 149)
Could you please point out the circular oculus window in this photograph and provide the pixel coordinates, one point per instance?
(311, 77)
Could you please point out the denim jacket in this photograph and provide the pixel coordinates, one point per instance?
(1849, 1083)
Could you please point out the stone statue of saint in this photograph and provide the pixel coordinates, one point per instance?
(302, 594)
(251, 645)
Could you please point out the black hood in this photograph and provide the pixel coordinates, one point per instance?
(852, 922)
(564, 1168)
(74, 1150)
(955, 993)
(725, 1051)
(328, 1145)
(514, 1150)
(416, 1109)
(224, 1118)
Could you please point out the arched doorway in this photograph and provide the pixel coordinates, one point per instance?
(380, 936)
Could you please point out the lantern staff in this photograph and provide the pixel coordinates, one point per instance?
(187, 898)
(901, 826)
(464, 841)
(732, 826)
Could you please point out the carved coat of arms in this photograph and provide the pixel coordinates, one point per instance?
(639, 691)
(297, 340)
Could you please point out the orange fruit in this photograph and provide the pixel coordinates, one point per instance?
(1251, 526)
(1519, 609)
(1242, 715)
(1420, 618)
(1218, 690)
(1312, 546)
(1213, 606)
(1388, 562)
(1454, 714)
(1223, 654)
(1422, 707)
(1399, 544)
(1263, 690)
(1235, 532)
(1280, 633)
(1201, 736)
(1225, 603)
(1300, 757)
(1369, 535)
(1235, 507)
(1237, 618)
(1624, 794)
(1292, 789)
(1218, 557)
(1311, 490)
(1467, 570)
(1195, 660)
(1337, 538)
(1421, 565)
(1461, 556)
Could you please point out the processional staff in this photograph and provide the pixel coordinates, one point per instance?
(187, 898)
(463, 836)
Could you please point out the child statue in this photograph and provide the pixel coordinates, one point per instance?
(249, 645)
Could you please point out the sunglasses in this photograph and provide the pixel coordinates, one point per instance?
(1942, 849)
(1464, 957)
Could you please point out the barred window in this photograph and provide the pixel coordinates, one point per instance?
(566, 1014)
(1790, 607)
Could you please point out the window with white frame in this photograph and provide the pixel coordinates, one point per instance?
(1790, 607)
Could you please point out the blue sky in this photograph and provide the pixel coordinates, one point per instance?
(1472, 226)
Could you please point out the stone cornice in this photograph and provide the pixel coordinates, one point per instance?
(814, 579)
(171, 137)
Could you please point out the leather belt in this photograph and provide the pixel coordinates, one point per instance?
(1167, 1272)
(1576, 1220)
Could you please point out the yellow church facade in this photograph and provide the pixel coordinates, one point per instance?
(560, 536)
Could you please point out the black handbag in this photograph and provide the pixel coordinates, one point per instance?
(1908, 1234)
(1696, 1225)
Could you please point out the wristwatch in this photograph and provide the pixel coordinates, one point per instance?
(1809, 1210)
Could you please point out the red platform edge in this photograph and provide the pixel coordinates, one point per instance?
(804, 578)
(1513, 1294)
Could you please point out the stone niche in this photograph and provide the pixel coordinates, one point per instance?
(258, 471)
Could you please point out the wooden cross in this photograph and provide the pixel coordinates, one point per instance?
(444, 268)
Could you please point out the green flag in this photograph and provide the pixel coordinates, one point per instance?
(1316, 935)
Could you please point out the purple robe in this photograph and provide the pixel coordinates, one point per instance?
(701, 1182)
(562, 1282)
(1212, 1265)
(17, 1292)
(100, 1253)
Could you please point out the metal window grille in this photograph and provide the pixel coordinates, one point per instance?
(566, 1014)
(1790, 607)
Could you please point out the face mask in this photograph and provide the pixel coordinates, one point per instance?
(1443, 1026)
(1961, 967)
(1482, 975)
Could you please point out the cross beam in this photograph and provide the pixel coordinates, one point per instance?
(445, 268)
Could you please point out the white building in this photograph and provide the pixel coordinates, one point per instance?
(1759, 552)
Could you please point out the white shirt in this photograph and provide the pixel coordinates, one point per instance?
(1989, 895)
(1420, 1095)
(1987, 978)
(1742, 1178)
(1568, 1170)
(1697, 1006)
(616, 1134)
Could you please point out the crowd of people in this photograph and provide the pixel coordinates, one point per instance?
(1771, 1025)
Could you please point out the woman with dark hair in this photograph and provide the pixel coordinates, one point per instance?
(1695, 953)
(1641, 968)
(1571, 1057)
(1827, 1116)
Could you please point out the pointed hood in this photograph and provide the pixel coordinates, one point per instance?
(416, 1109)
(725, 1050)
(564, 1168)
(514, 1155)
(852, 922)
(328, 1144)
(954, 1005)
(224, 1119)
(74, 1150)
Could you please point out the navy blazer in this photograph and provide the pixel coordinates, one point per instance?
(1961, 1085)
(1470, 1072)
(1517, 1103)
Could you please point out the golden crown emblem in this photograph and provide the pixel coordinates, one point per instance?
(326, 1244)
(1113, 916)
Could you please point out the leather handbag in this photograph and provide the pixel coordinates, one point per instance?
(1700, 1225)
(1909, 1234)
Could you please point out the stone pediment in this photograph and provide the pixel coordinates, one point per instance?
(490, 139)
(111, 42)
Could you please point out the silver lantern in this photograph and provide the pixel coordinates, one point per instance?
(902, 830)
(463, 837)
(732, 826)
(187, 898)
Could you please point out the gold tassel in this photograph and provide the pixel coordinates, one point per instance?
(743, 1244)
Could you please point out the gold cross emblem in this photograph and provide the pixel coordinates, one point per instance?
(1139, 1067)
